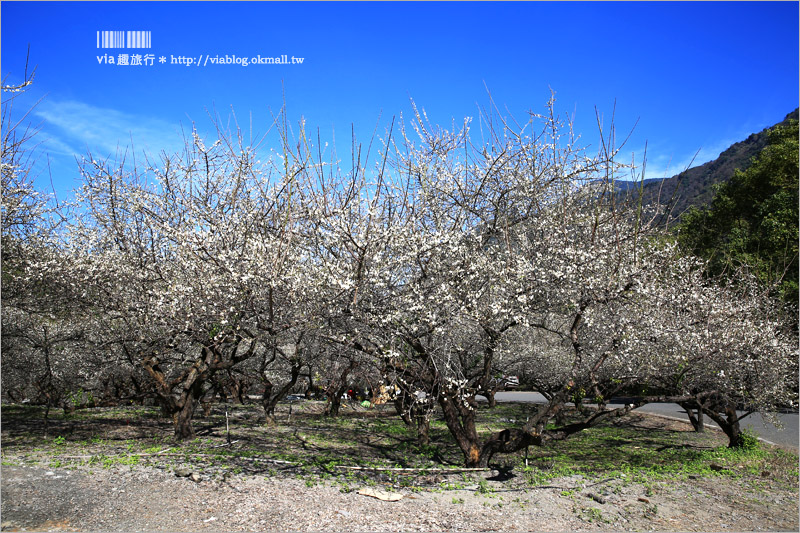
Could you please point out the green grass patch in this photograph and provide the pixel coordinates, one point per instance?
(625, 451)
(636, 449)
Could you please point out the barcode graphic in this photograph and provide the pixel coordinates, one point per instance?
(124, 39)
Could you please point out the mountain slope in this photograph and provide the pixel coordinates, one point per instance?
(694, 186)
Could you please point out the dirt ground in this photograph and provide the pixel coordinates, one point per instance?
(154, 498)
(146, 499)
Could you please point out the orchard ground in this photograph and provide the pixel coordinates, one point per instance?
(119, 469)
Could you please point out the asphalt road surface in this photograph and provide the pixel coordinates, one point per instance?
(788, 436)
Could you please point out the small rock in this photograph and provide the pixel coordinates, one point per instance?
(194, 476)
(183, 472)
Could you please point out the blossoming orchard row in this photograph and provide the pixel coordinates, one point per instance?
(429, 261)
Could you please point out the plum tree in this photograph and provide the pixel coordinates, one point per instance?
(429, 264)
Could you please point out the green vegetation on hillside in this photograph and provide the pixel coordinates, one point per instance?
(753, 218)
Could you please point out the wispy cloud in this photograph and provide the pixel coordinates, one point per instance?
(663, 165)
(662, 162)
(71, 128)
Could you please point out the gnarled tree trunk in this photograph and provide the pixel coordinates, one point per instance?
(185, 412)
(695, 414)
(336, 389)
(729, 423)
(270, 400)
(459, 415)
(179, 397)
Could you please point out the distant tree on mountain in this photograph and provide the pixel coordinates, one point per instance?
(753, 218)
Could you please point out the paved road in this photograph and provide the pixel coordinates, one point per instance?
(788, 436)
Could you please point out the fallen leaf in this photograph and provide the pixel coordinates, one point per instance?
(381, 495)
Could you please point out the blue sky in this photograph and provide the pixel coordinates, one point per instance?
(695, 75)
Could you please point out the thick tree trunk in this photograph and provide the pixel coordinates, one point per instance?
(169, 407)
(490, 399)
(732, 428)
(179, 397)
(336, 389)
(238, 388)
(579, 405)
(423, 430)
(735, 437)
(183, 422)
(698, 420)
(695, 414)
(181, 410)
(332, 408)
(561, 417)
(269, 401)
(506, 441)
(185, 413)
(729, 423)
(460, 420)
(335, 402)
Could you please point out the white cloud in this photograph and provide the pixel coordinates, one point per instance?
(72, 127)
(663, 163)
